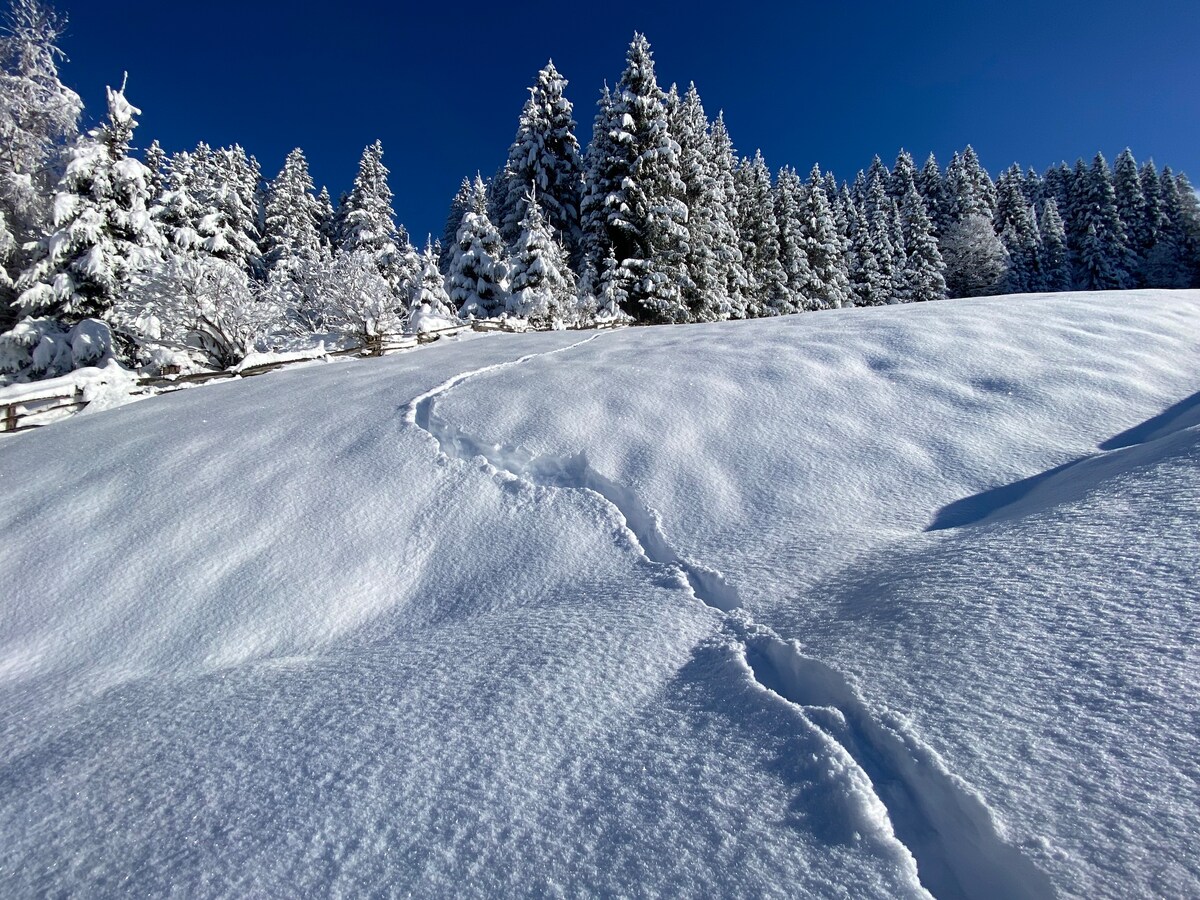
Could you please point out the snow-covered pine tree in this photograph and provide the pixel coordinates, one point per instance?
(603, 173)
(477, 264)
(228, 227)
(178, 214)
(725, 197)
(1131, 209)
(1016, 222)
(875, 186)
(155, 161)
(974, 254)
(1170, 263)
(1155, 220)
(1023, 242)
(545, 158)
(758, 232)
(713, 240)
(867, 281)
(1105, 261)
(1189, 216)
(542, 287)
(291, 236)
(640, 190)
(328, 221)
(612, 299)
(828, 284)
(430, 304)
(368, 222)
(923, 274)
(903, 177)
(792, 251)
(39, 116)
(102, 231)
(1034, 188)
(1010, 197)
(1056, 267)
(462, 203)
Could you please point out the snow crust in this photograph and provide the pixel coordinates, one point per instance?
(880, 602)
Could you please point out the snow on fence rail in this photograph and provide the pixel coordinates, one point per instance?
(23, 407)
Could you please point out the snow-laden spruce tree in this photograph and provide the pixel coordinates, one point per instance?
(603, 172)
(974, 254)
(1016, 221)
(368, 224)
(329, 223)
(868, 286)
(461, 203)
(1023, 241)
(903, 178)
(923, 272)
(541, 286)
(291, 236)
(828, 285)
(932, 188)
(177, 214)
(1056, 267)
(478, 270)
(155, 161)
(638, 192)
(1131, 209)
(429, 308)
(713, 246)
(228, 225)
(101, 233)
(545, 158)
(1105, 261)
(792, 256)
(1169, 263)
(725, 193)
(39, 117)
(758, 232)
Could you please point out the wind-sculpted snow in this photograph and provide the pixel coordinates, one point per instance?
(945, 826)
(571, 471)
(272, 637)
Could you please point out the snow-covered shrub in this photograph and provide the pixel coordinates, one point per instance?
(350, 296)
(44, 347)
(198, 303)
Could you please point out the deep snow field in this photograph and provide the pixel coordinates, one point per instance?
(865, 604)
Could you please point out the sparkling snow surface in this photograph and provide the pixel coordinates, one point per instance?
(863, 603)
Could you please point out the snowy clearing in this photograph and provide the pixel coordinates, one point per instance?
(866, 603)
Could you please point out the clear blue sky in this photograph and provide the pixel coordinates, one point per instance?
(442, 83)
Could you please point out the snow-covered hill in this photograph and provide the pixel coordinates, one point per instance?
(863, 603)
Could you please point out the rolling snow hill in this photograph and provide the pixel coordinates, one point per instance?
(866, 603)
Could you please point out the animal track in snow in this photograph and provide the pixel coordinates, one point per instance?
(945, 825)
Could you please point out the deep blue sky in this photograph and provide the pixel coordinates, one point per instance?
(442, 83)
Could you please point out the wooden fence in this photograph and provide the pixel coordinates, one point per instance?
(34, 408)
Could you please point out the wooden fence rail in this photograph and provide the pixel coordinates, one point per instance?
(30, 409)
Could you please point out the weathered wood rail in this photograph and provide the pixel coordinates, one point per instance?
(34, 408)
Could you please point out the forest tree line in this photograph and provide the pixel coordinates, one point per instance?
(194, 258)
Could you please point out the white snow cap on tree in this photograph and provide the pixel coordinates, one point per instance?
(102, 230)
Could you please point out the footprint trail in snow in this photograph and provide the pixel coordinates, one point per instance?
(943, 823)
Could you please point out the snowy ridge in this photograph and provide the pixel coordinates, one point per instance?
(946, 826)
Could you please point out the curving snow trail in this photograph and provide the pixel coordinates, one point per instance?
(944, 824)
